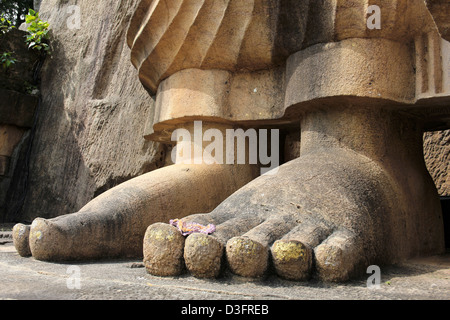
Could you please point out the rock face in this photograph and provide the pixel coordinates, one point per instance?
(437, 158)
(17, 106)
(440, 9)
(94, 110)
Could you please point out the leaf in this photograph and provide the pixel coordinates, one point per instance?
(37, 31)
(29, 19)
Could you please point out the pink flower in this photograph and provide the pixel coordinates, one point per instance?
(187, 228)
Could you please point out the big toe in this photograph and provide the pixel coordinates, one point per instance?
(163, 250)
(47, 241)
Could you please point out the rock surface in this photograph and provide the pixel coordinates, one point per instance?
(94, 110)
(437, 158)
(17, 105)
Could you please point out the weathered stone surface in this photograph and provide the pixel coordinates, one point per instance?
(440, 9)
(255, 35)
(10, 143)
(10, 199)
(203, 255)
(437, 158)
(365, 201)
(17, 108)
(113, 224)
(401, 20)
(163, 250)
(328, 52)
(362, 68)
(21, 235)
(10, 136)
(94, 110)
(167, 37)
(4, 165)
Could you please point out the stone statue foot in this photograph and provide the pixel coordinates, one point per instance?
(113, 224)
(302, 214)
(359, 194)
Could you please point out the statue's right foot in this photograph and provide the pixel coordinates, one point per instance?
(113, 224)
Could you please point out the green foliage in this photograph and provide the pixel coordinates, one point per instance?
(6, 60)
(5, 24)
(38, 36)
(15, 10)
(31, 88)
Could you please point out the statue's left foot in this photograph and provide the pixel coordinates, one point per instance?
(341, 206)
(275, 222)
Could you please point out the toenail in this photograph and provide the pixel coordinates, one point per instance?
(246, 257)
(203, 256)
(160, 235)
(289, 251)
(246, 246)
(38, 235)
(22, 230)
